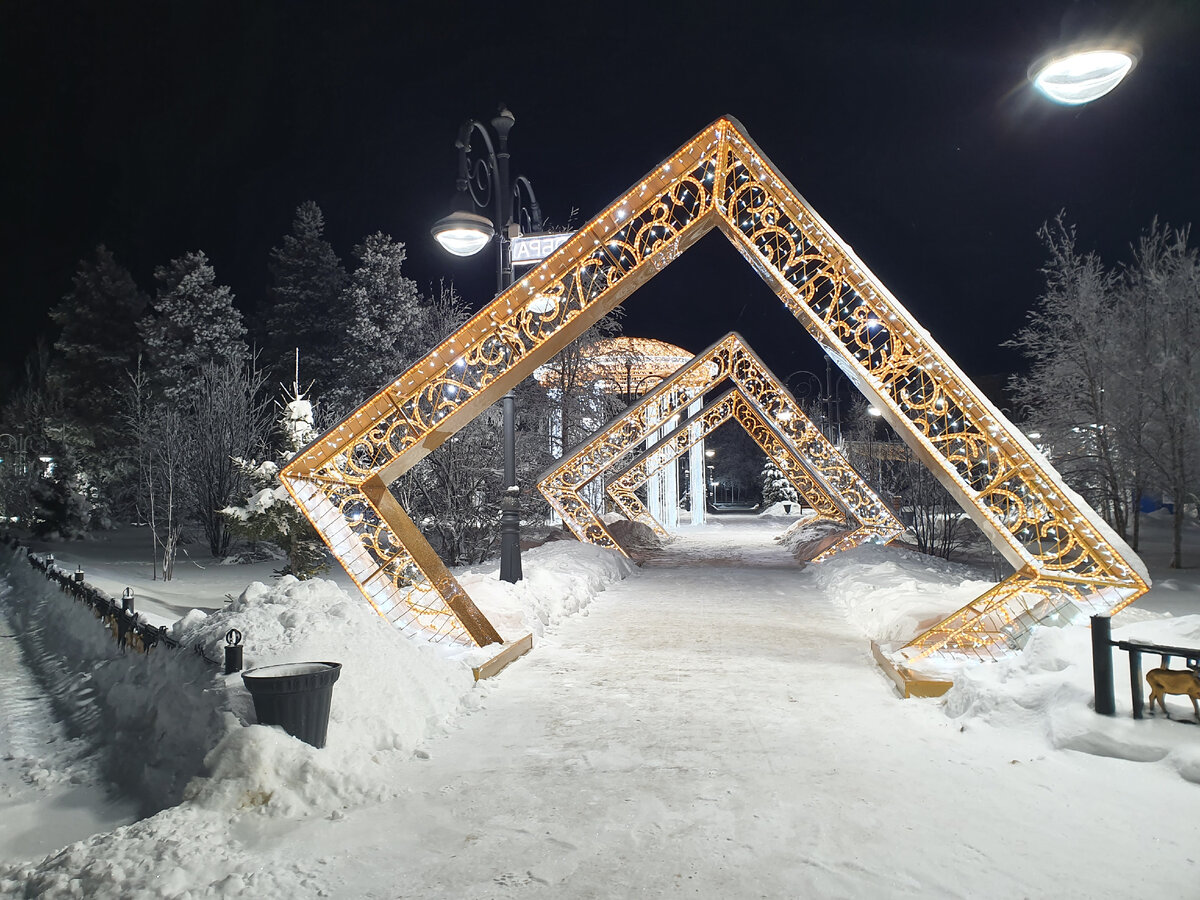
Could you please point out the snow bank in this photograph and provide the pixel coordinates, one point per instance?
(894, 594)
(1049, 687)
(155, 716)
(183, 721)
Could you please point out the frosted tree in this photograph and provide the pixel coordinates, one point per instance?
(269, 513)
(157, 438)
(193, 323)
(390, 326)
(776, 488)
(1161, 310)
(228, 418)
(1077, 395)
(306, 309)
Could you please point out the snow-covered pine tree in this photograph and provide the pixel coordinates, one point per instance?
(305, 310)
(390, 326)
(194, 323)
(270, 514)
(776, 488)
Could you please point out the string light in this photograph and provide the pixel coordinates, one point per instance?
(829, 292)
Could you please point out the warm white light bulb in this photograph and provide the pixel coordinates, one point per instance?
(1082, 77)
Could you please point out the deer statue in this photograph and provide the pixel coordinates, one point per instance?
(1173, 681)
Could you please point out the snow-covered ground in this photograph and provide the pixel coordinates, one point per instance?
(711, 724)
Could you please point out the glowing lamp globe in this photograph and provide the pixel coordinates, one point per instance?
(463, 233)
(1081, 77)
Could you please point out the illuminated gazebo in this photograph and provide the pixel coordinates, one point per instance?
(628, 367)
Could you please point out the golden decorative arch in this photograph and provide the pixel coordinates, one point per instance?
(732, 405)
(1064, 554)
(823, 477)
(736, 406)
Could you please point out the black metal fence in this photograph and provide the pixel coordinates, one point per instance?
(1102, 667)
(129, 629)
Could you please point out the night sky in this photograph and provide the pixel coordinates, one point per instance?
(162, 127)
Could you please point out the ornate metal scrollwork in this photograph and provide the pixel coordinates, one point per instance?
(1064, 554)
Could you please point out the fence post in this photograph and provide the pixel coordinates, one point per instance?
(1135, 682)
(1102, 667)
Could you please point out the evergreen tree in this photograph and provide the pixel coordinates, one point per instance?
(390, 326)
(776, 488)
(194, 323)
(270, 513)
(97, 344)
(306, 295)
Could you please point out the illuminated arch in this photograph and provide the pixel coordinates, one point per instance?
(736, 406)
(824, 478)
(1064, 554)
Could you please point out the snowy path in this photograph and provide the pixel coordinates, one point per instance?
(689, 736)
(50, 791)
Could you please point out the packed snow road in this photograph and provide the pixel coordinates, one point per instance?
(715, 727)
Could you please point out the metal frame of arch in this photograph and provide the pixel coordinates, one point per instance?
(822, 476)
(736, 406)
(1064, 554)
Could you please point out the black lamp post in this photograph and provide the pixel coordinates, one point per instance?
(485, 181)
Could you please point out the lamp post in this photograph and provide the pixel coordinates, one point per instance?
(829, 400)
(485, 182)
(1081, 74)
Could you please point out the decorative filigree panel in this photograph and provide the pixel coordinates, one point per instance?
(736, 406)
(1063, 551)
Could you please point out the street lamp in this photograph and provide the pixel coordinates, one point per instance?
(484, 182)
(1081, 76)
(832, 399)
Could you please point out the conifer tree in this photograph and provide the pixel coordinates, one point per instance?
(390, 326)
(270, 514)
(776, 488)
(97, 344)
(194, 324)
(305, 311)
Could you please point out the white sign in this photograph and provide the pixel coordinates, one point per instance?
(530, 249)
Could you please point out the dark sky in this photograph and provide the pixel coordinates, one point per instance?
(161, 127)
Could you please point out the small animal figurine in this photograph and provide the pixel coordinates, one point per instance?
(1173, 681)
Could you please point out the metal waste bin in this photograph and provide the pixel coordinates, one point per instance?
(296, 696)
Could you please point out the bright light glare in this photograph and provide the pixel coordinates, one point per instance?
(1082, 77)
(463, 233)
(874, 411)
(541, 304)
(462, 241)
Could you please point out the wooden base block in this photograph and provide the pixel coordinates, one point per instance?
(512, 650)
(908, 682)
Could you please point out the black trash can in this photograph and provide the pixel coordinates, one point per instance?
(296, 696)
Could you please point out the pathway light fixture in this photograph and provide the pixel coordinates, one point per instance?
(484, 184)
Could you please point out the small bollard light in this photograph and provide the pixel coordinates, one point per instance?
(127, 600)
(233, 651)
(79, 574)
